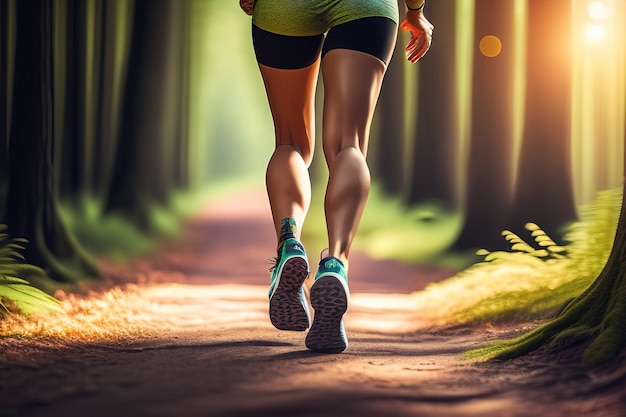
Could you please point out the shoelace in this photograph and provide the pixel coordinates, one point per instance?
(274, 262)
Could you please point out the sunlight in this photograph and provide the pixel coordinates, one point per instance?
(599, 13)
(596, 32)
(381, 312)
(598, 98)
(134, 312)
(598, 10)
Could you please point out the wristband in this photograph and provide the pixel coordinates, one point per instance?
(418, 8)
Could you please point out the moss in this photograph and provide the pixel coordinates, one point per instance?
(596, 318)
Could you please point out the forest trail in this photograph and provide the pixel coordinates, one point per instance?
(192, 338)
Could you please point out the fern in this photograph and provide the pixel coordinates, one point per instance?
(543, 247)
(531, 280)
(16, 294)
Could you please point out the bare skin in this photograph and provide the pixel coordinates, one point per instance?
(352, 82)
(291, 95)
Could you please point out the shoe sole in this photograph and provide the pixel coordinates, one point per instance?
(288, 310)
(330, 301)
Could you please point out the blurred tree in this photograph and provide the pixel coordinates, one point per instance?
(144, 162)
(434, 165)
(93, 60)
(389, 140)
(544, 188)
(116, 28)
(180, 174)
(74, 142)
(489, 173)
(30, 208)
(4, 98)
(91, 55)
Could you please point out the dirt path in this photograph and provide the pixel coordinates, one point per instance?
(196, 341)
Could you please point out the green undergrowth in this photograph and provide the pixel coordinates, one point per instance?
(117, 237)
(16, 294)
(535, 277)
(391, 230)
(113, 235)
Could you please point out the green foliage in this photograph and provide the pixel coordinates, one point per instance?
(597, 314)
(391, 230)
(112, 235)
(16, 294)
(535, 277)
(120, 238)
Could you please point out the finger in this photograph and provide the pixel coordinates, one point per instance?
(423, 49)
(411, 45)
(418, 50)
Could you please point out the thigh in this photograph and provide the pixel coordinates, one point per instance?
(353, 73)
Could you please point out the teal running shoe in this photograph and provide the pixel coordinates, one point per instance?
(288, 307)
(329, 298)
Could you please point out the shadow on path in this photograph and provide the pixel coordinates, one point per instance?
(193, 339)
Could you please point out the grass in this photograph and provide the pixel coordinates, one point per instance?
(530, 281)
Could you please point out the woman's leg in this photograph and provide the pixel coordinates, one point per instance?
(353, 70)
(291, 94)
(289, 67)
(352, 82)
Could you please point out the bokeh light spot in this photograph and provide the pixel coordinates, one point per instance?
(490, 46)
(595, 32)
(598, 10)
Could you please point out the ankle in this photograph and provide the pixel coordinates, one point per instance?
(288, 229)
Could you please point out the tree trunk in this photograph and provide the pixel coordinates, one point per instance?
(144, 156)
(31, 210)
(389, 142)
(6, 65)
(180, 174)
(544, 190)
(116, 37)
(489, 176)
(434, 164)
(73, 122)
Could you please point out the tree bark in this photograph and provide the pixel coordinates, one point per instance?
(71, 179)
(6, 63)
(144, 156)
(31, 210)
(116, 18)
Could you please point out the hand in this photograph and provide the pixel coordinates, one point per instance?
(421, 34)
(247, 6)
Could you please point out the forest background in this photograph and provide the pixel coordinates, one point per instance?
(119, 116)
